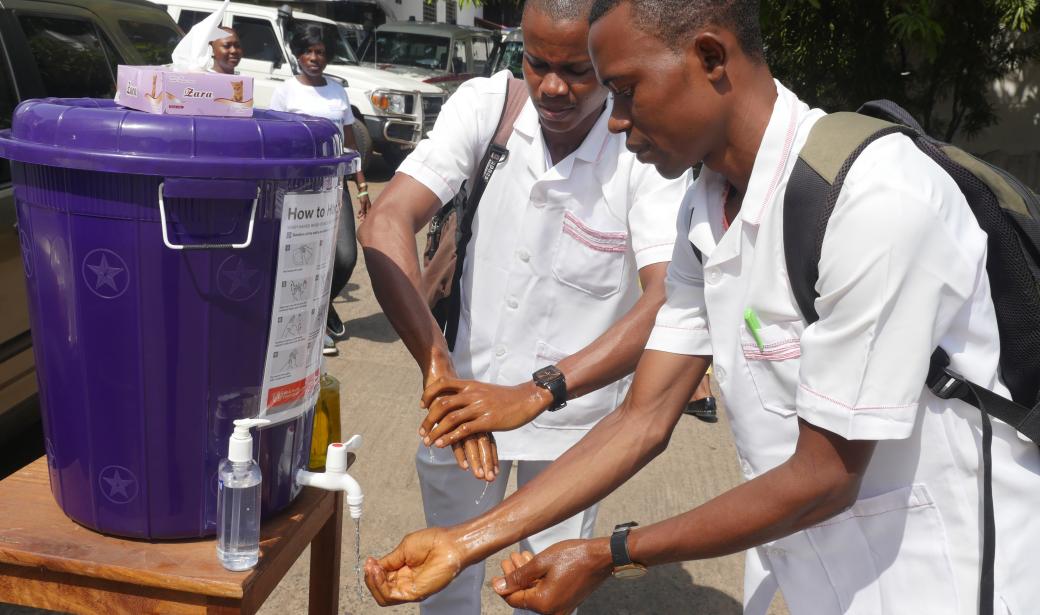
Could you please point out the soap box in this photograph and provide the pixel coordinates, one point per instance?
(157, 89)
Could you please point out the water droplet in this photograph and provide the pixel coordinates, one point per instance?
(478, 500)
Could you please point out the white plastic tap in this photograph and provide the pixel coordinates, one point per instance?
(335, 477)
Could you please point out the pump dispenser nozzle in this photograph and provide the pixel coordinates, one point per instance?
(240, 446)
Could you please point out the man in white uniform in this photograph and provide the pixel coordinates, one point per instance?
(863, 489)
(569, 227)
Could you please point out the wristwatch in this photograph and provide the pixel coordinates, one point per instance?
(624, 567)
(551, 379)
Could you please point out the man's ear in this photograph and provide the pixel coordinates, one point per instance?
(711, 53)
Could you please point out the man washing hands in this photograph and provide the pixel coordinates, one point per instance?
(560, 284)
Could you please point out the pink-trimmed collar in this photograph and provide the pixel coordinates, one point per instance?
(774, 155)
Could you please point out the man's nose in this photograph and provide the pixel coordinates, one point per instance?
(553, 86)
(618, 123)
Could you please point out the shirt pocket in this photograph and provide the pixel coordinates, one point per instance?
(581, 412)
(774, 364)
(589, 259)
(888, 554)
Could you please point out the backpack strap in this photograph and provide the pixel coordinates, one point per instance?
(834, 143)
(890, 112)
(495, 154)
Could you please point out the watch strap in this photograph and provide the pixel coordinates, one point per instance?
(555, 383)
(619, 544)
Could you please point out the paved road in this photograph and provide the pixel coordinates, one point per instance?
(381, 387)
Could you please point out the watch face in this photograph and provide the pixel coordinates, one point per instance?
(546, 374)
(631, 571)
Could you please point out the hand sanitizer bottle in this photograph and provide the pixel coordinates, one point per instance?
(238, 501)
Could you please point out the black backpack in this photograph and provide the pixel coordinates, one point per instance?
(1005, 209)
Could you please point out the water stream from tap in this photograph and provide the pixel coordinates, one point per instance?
(357, 558)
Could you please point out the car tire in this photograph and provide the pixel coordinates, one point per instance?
(363, 140)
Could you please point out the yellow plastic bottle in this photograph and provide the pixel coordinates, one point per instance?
(326, 421)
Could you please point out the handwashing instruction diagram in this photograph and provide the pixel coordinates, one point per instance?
(308, 236)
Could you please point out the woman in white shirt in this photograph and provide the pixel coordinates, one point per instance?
(311, 93)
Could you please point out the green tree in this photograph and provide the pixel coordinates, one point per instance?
(937, 58)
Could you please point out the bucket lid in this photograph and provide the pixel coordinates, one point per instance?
(99, 135)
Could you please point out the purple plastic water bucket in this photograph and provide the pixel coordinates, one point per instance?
(146, 351)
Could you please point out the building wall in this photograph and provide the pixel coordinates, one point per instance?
(1013, 143)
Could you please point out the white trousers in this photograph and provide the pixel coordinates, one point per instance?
(451, 496)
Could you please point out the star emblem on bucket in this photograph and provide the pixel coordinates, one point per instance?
(118, 484)
(105, 273)
(237, 280)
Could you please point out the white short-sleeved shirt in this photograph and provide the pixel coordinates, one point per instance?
(328, 101)
(555, 255)
(902, 270)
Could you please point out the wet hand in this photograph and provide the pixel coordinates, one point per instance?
(456, 409)
(423, 564)
(478, 454)
(558, 579)
(439, 370)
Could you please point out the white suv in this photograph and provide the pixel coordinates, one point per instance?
(394, 112)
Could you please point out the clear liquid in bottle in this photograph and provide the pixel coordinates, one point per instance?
(238, 511)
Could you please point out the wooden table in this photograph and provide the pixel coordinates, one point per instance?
(49, 561)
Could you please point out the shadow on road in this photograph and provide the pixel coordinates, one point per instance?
(665, 589)
(374, 327)
(344, 295)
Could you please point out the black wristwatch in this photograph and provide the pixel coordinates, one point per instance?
(552, 380)
(624, 567)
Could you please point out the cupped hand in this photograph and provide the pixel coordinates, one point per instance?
(558, 579)
(422, 565)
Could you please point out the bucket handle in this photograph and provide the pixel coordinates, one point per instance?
(205, 246)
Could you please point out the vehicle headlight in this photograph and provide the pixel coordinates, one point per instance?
(389, 102)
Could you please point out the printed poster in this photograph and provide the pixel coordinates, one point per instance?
(304, 278)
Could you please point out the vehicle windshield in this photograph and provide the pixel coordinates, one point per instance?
(155, 42)
(512, 58)
(354, 36)
(408, 49)
(340, 51)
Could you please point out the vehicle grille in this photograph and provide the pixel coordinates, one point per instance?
(431, 106)
(402, 132)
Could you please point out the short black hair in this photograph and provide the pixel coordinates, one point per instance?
(673, 21)
(304, 39)
(560, 10)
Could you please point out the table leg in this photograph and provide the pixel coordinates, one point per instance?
(325, 560)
